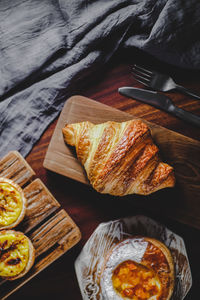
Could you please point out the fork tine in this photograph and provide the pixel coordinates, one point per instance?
(141, 79)
(142, 82)
(148, 72)
(144, 75)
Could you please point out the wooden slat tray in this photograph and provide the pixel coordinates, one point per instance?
(180, 203)
(51, 231)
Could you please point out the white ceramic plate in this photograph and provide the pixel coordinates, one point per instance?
(88, 265)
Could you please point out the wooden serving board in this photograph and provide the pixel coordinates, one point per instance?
(181, 203)
(51, 231)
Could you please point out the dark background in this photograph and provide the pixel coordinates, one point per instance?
(88, 208)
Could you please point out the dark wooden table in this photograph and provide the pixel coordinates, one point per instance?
(83, 204)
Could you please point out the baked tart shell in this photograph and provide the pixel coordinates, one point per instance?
(31, 253)
(154, 255)
(23, 203)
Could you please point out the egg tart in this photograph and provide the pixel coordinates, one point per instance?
(17, 254)
(138, 268)
(12, 204)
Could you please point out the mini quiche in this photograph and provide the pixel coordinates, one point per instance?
(138, 269)
(12, 204)
(17, 254)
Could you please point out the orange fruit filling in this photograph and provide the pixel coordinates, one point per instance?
(135, 281)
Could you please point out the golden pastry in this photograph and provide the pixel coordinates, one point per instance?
(12, 204)
(138, 268)
(119, 158)
(17, 254)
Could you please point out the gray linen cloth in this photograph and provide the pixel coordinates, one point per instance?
(46, 47)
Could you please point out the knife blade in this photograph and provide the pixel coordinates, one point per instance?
(160, 101)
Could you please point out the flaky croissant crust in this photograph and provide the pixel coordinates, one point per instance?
(119, 158)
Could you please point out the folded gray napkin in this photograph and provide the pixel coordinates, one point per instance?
(46, 46)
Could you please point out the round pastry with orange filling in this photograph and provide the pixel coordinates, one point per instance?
(17, 254)
(12, 204)
(138, 268)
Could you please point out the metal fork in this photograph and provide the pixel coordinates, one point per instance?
(158, 81)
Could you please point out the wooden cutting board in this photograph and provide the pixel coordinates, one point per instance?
(50, 229)
(181, 203)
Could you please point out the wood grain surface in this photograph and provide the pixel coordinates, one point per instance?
(51, 238)
(181, 152)
(84, 205)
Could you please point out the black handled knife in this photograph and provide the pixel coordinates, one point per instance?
(160, 101)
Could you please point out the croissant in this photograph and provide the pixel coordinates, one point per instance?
(119, 158)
